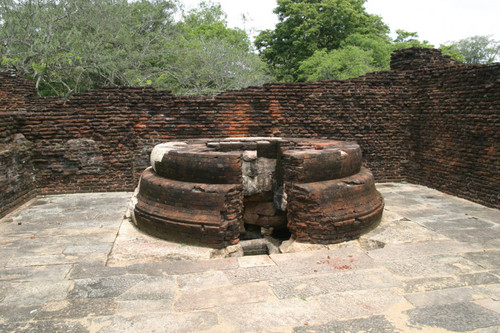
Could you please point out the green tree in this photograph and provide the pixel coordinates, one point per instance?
(307, 26)
(338, 64)
(69, 46)
(452, 51)
(478, 49)
(406, 39)
(211, 57)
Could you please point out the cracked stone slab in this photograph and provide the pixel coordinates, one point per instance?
(476, 235)
(458, 224)
(493, 305)
(458, 317)
(92, 270)
(204, 280)
(254, 274)
(420, 249)
(157, 322)
(41, 260)
(373, 324)
(444, 296)
(151, 288)
(308, 286)
(418, 285)
(147, 306)
(36, 273)
(419, 213)
(45, 326)
(132, 246)
(103, 287)
(271, 316)
(401, 230)
(254, 261)
(491, 290)
(221, 296)
(479, 278)
(486, 259)
(178, 267)
(77, 308)
(358, 303)
(12, 313)
(36, 292)
(323, 261)
(441, 265)
(88, 248)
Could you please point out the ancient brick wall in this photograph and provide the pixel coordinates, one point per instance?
(431, 121)
(17, 177)
(455, 131)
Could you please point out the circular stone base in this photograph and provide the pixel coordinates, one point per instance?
(208, 191)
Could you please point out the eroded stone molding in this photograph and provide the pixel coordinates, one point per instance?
(216, 192)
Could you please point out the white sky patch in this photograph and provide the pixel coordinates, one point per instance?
(438, 21)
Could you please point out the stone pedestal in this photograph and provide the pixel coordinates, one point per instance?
(210, 191)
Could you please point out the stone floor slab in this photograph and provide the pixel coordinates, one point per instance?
(491, 290)
(104, 286)
(204, 280)
(56, 326)
(151, 288)
(442, 265)
(457, 317)
(373, 324)
(36, 273)
(271, 316)
(307, 286)
(254, 274)
(36, 292)
(77, 308)
(255, 261)
(156, 322)
(475, 235)
(338, 260)
(359, 303)
(418, 285)
(485, 259)
(444, 296)
(420, 249)
(222, 296)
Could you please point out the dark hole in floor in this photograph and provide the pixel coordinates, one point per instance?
(282, 234)
(255, 249)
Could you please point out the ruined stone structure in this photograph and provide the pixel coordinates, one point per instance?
(428, 121)
(210, 191)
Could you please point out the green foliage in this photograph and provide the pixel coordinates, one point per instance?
(339, 64)
(307, 26)
(478, 49)
(210, 56)
(379, 48)
(452, 51)
(405, 40)
(69, 46)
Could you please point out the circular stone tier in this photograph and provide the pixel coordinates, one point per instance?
(215, 191)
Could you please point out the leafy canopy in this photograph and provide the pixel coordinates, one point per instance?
(307, 26)
(69, 46)
(331, 39)
(477, 49)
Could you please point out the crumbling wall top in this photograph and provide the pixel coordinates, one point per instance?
(415, 58)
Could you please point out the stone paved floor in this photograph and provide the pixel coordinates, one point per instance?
(433, 265)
